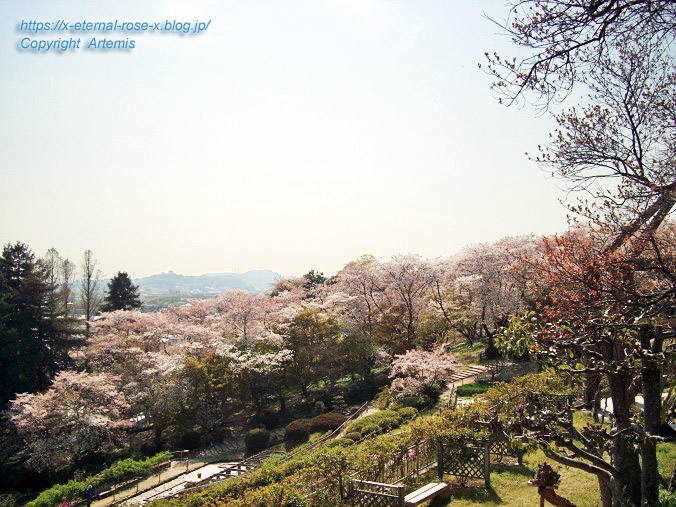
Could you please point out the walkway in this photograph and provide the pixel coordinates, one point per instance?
(178, 484)
(607, 406)
(177, 469)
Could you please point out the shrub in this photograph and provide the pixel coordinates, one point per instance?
(319, 407)
(257, 439)
(407, 401)
(338, 404)
(327, 422)
(354, 393)
(272, 420)
(324, 396)
(383, 399)
(407, 413)
(338, 442)
(385, 420)
(355, 436)
(380, 380)
(370, 429)
(298, 430)
(420, 402)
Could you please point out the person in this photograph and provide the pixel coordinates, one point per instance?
(88, 495)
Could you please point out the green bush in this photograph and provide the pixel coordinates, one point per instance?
(406, 401)
(298, 430)
(370, 429)
(383, 398)
(8, 499)
(355, 436)
(385, 420)
(327, 422)
(120, 471)
(338, 404)
(407, 413)
(319, 407)
(338, 442)
(256, 440)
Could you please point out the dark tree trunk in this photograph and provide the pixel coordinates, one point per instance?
(625, 457)
(652, 406)
(590, 395)
(606, 494)
(282, 402)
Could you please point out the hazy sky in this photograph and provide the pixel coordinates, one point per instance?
(290, 135)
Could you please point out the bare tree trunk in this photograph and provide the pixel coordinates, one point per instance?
(652, 406)
(625, 457)
(90, 280)
(606, 494)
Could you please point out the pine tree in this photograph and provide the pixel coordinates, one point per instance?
(35, 335)
(122, 294)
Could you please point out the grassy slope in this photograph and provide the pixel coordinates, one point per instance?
(466, 353)
(509, 482)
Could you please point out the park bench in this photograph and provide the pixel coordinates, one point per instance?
(367, 493)
(427, 492)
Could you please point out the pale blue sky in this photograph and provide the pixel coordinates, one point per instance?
(291, 135)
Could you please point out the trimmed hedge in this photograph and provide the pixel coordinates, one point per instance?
(120, 471)
(384, 420)
(298, 430)
(327, 422)
(407, 413)
(257, 440)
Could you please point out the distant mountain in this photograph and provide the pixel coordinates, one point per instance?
(210, 283)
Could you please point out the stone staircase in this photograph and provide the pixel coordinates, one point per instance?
(471, 370)
(226, 448)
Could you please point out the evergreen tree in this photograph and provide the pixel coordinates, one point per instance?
(35, 335)
(122, 294)
(313, 278)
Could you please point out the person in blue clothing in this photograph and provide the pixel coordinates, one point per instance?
(88, 495)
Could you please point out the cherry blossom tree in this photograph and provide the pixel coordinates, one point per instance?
(488, 286)
(407, 280)
(79, 413)
(262, 373)
(421, 372)
(561, 41)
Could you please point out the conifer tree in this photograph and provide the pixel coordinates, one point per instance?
(35, 335)
(122, 294)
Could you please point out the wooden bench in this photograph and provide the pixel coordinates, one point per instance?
(425, 493)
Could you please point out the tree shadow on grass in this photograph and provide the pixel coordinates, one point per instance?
(474, 491)
(512, 469)
(482, 495)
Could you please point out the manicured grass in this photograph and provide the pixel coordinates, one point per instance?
(465, 352)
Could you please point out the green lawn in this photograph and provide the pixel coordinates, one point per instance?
(465, 352)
